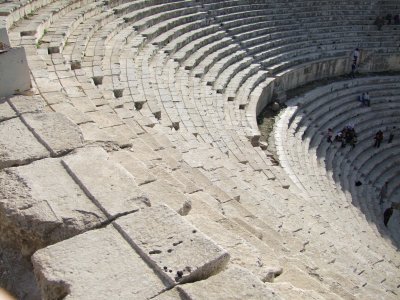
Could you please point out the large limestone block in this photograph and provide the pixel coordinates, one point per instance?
(6, 112)
(105, 119)
(245, 250)
(14, 75)
(76, 116)
(235, 283)
(172, 294)
(175, 249)
(288, 291)
(161, 192)
(134, 166)
(41, 204)
(26, 104)
(98, 264)
(110, 186)
(18, 145)
(58, 133)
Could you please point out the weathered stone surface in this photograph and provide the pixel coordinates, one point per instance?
(98, 264)
(290, 292)
(25, 104)
(105, 119)
(20, 147)
(6, 112)
(41, 204)
(161, 192)
(16, 274)
(176, 249)
(92, 133)
(303, 281)
(108, 184)
(71, 112)
(134, 166)
(54, 130)
(172, 294)
(234, 283)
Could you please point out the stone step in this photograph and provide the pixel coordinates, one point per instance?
(44, 205)
(114, 190)
(79, 268)
(177, 251)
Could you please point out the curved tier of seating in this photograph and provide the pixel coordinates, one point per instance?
(301, 136)
(165, 95)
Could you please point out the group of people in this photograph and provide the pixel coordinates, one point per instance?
(365, 99)
(348, 135)
(345, 136)
(380, 21)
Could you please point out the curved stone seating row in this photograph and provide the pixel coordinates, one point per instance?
(365, 135)
(149, 180)
(308, 175)
(318, 138)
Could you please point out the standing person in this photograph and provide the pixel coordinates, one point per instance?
(383, 192)
(378, 139)
(391, 134)
(379, 22)
(396, 19)
(353, 70)
(366, 100)
(329, 135)
(356, 56)
(386, 215)
(389, 18)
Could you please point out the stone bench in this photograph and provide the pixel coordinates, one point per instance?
(209, 61)
(197, 57)
(193, 47)
(141, 246)
(56, 36)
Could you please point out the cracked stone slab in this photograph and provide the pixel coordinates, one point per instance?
(233, 283)
(76, 116)
(27, 104)
(134, 166)
(58, 133)
(172, 246)
(162, 192)
(18, 145)
(105, 119)
(110, 186)
(98, 264)
(41, 204)
(6, 111)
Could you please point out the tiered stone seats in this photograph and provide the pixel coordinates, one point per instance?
(340, 107)
(160, 99)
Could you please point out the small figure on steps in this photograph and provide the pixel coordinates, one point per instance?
(387, 214)
(383, 192)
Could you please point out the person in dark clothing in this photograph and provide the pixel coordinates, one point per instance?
(396, 19)
(389, 18)
(387, 214)
(379, 22)
(329, 135)
(378, 138)
(353, 70)
(391, 134)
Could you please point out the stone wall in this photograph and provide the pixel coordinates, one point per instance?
(14, 75)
